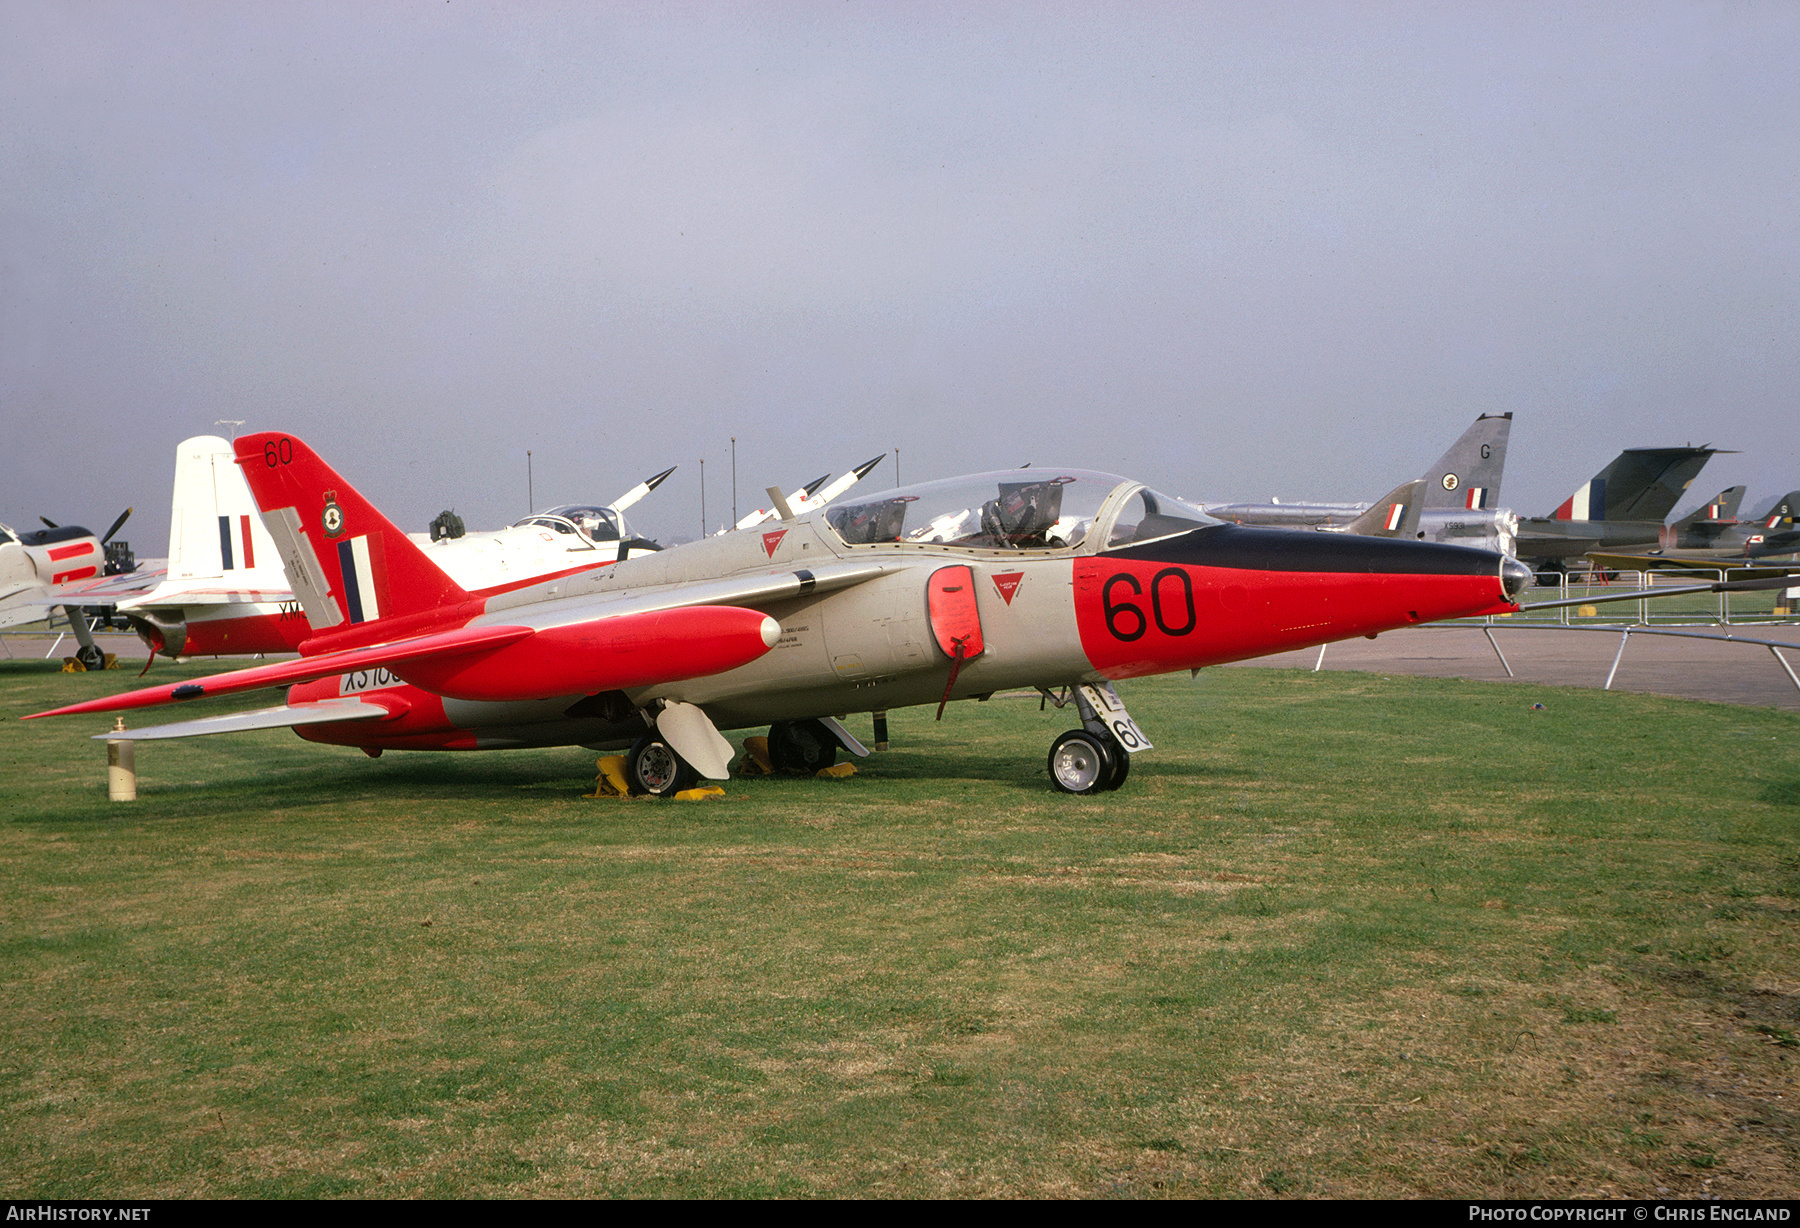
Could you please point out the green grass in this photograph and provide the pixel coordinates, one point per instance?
(1340, 935)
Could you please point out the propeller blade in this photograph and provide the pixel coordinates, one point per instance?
(116, 526)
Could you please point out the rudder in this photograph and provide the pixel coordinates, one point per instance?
(347, 563)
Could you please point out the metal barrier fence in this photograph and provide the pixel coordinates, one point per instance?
(1768, 607)
(1662, 616)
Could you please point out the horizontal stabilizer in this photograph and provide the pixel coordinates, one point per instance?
(499, 663)
(306, 669)
(169, 595)
(324, 713)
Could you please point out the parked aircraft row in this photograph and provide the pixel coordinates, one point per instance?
(222, 590)
(1063, 580)
(565, 629)
(222, 593)
(1616, 518)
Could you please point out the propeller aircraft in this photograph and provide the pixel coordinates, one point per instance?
(1063, 580)
(60, 565)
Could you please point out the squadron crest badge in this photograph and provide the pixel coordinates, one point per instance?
(333, 519)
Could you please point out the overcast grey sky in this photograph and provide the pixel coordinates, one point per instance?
(1233, 250)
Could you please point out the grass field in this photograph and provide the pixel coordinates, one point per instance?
(1340, 935)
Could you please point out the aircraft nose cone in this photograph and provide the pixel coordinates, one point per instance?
(1515, 578)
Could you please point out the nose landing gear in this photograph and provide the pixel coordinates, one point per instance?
(1083, 762)
(1097, 757)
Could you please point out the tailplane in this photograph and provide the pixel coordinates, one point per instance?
(347, 563)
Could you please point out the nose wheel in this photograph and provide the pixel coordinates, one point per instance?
(1084, 762)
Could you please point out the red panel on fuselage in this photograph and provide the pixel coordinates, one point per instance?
(420, 723)
(209, 637)
(955, 616)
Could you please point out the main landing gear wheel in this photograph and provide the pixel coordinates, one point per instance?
(653, 767)
(1082, 762)
(1121, 765)
(801, 747)
(91, 657)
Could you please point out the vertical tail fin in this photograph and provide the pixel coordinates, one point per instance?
(1468, 475)
(1395, 514)
(1721, 509)
(347, 563)
(1782, 512)
(214, 530)
(1640, 484)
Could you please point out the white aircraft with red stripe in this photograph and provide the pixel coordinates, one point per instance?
(67, 567)
(1062, 580)
(225, 593)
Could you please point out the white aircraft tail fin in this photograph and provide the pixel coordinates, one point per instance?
(215, 533)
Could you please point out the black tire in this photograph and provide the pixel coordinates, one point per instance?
(655, 769)
(801, 747)
(1080, 762)
(91, 657)
(1121, 766)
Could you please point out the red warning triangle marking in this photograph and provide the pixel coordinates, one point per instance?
(1006, 583)
(772, 540)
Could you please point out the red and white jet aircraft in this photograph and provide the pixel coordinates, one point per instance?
(1063, 580)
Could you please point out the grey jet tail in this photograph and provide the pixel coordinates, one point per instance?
(1467, 477)
(1395, 514)
(1641, 484)
(1702, 526)
(1780, 513)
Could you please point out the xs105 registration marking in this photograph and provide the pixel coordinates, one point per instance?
(367, 680)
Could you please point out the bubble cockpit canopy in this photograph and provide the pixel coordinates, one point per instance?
(1015, 509)
(597, 524)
